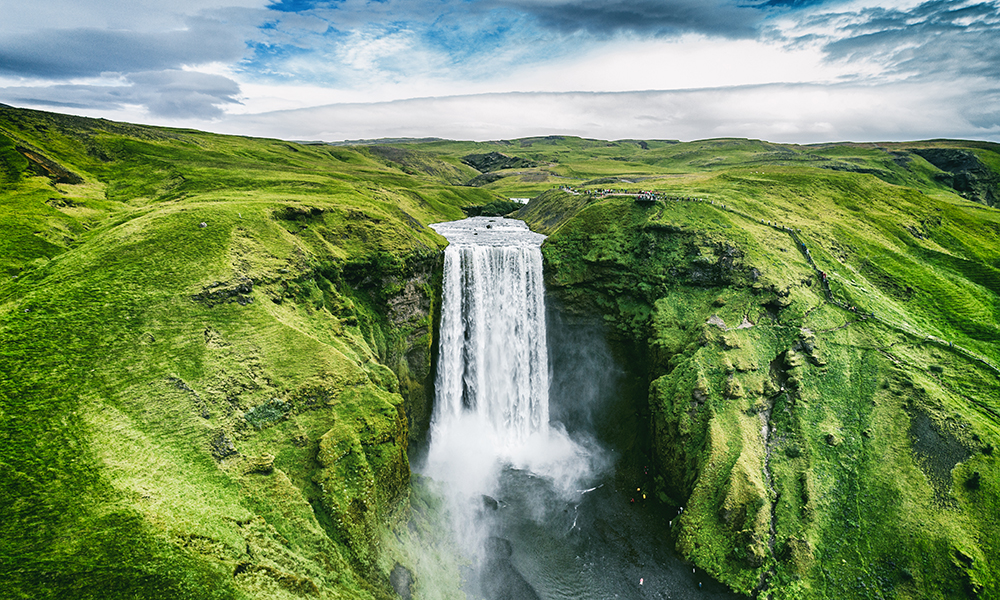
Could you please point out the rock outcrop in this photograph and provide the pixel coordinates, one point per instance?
(496, 161)
(965, 173)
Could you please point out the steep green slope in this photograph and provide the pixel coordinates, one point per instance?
(827, 437)
(212, 352)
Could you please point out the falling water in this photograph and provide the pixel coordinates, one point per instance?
(493, 360)
(492, 406)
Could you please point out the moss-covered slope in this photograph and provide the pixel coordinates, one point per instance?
(821, 346)
(212, 352)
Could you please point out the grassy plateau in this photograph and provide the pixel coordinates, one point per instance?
(216, 354)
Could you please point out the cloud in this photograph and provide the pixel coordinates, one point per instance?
(134, 15)
(462, 40)
(144, 58)
(798, 113)
(762, 68)
(58, 54)
(726, 18)
(170, 94)
(184, 93)
(648, 17)
(293, 6)
(792, 3)
(465, 45)
(983, 110)
(936, 39)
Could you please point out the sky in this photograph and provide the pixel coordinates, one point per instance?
(794, 71)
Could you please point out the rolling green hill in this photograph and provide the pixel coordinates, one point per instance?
(215, 353)
(212, 352)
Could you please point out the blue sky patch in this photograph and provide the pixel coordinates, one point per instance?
(293, 6)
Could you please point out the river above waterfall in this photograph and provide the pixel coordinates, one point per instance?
(488, 231)
(541, 508)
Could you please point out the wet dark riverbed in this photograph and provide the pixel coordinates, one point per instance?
(598, 545)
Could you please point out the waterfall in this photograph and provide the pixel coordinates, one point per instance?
(491, 409)
(493, 359)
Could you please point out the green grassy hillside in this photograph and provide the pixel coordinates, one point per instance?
(215, 352)
(212, 352)
(827, 436)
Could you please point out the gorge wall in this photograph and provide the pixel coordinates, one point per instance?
(804, 437)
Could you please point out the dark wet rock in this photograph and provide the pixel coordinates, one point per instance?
(940, 450)
(713, 264)
(964, 172)
(500, 579)
(495, 161)
(496, 208)
(485, 179)
(411, 162)
(269, 412)
(182, 385)
(852, 168)
(44, 166)
(299, 213)
(401, 580)
(497, 547)
(490, 502)
(222, 446)
(413, 302)
(411, 221)
(805, 347)
(903, 159)
(417, 357)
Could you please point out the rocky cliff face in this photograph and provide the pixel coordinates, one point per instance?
(963, 171)
(495, 161)
(782, 406)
